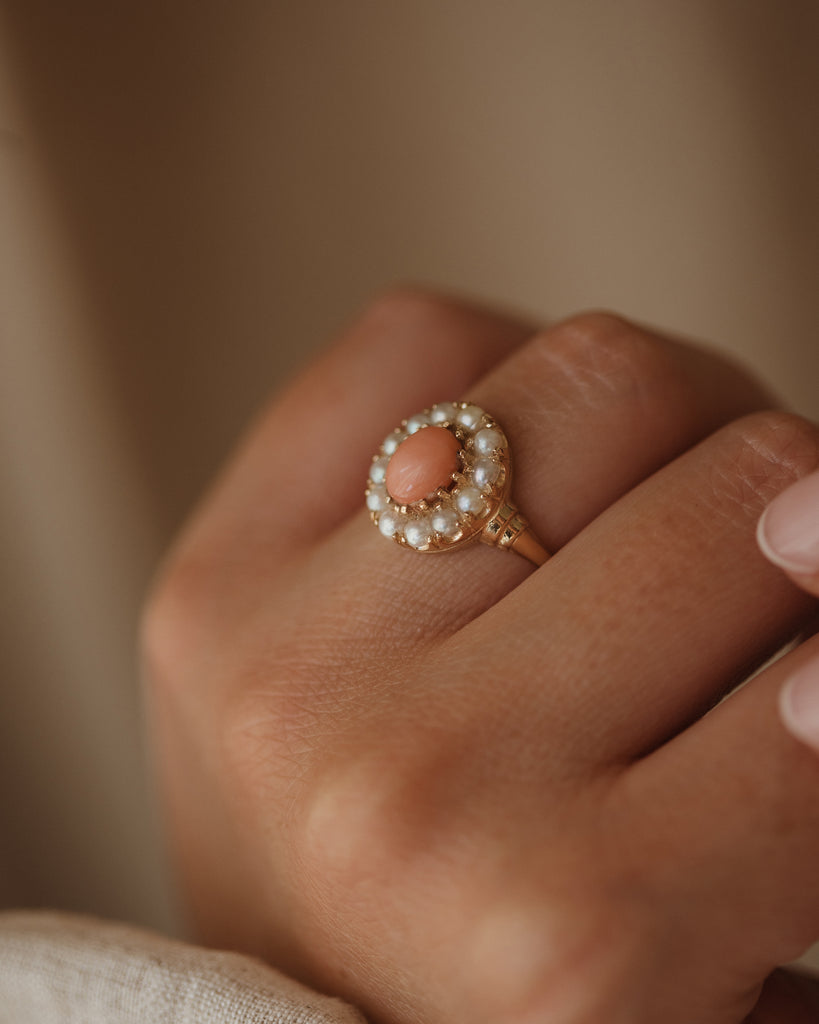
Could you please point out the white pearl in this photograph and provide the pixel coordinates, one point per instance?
(377, 499)
(470, 417)
(378, 470)
(414, 423)
(389, 524)
(485, 473)
(443, 412)
(393, 440)
(445, 522)
(470, 499)
(489, 440)
(416, 533)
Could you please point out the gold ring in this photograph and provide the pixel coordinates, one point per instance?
(443, 478)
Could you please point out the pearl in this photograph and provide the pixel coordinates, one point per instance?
(414, 423)
(485, 474)
(443, 412)
(417, 533)
(489, 440)
(377, 499)
(422, 464)
(470, 500)
(470, 417)
(393, 440)
(378, 470)
(445, 522)
(389, 524)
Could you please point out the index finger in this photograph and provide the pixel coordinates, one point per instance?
(302, 467)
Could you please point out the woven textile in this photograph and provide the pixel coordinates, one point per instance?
(64, 969)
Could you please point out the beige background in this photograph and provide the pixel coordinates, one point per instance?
(193, 196)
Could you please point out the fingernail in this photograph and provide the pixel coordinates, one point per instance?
(799, 704)
(788, 532)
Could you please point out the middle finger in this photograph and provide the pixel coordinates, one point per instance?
(592, 407)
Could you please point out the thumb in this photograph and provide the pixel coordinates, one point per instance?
(788, 532)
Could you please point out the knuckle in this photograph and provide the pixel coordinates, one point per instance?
(597, 324)
(767, 451)
(562, 963)
(344, 829)
(171, 623)
(373, 808)
(367, 806)
(601, 348)
(293, 724)
(407, 307)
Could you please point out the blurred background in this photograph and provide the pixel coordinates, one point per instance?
(195, 196)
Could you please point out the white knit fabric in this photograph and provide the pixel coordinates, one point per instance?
(64, 969)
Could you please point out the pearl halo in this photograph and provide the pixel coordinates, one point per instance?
(455, 513)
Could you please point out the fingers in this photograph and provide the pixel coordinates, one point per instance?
(730, 813)
(596, 404)
(653, 611)
(302, 470)
(591, 407)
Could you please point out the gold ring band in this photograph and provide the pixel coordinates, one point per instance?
(511, 531)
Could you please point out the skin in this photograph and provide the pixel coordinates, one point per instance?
(455, 788)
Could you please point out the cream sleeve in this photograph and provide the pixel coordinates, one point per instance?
(66, 969)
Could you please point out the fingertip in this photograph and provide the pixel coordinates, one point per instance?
(799, 704)
(772, 553)
(788, 531)
(764, 544)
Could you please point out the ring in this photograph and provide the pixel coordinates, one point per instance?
(442, 479)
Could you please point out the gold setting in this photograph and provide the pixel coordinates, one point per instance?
(474, 505)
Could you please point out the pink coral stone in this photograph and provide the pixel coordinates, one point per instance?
(422, 464)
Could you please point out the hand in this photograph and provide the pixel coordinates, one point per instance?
(453, 788)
